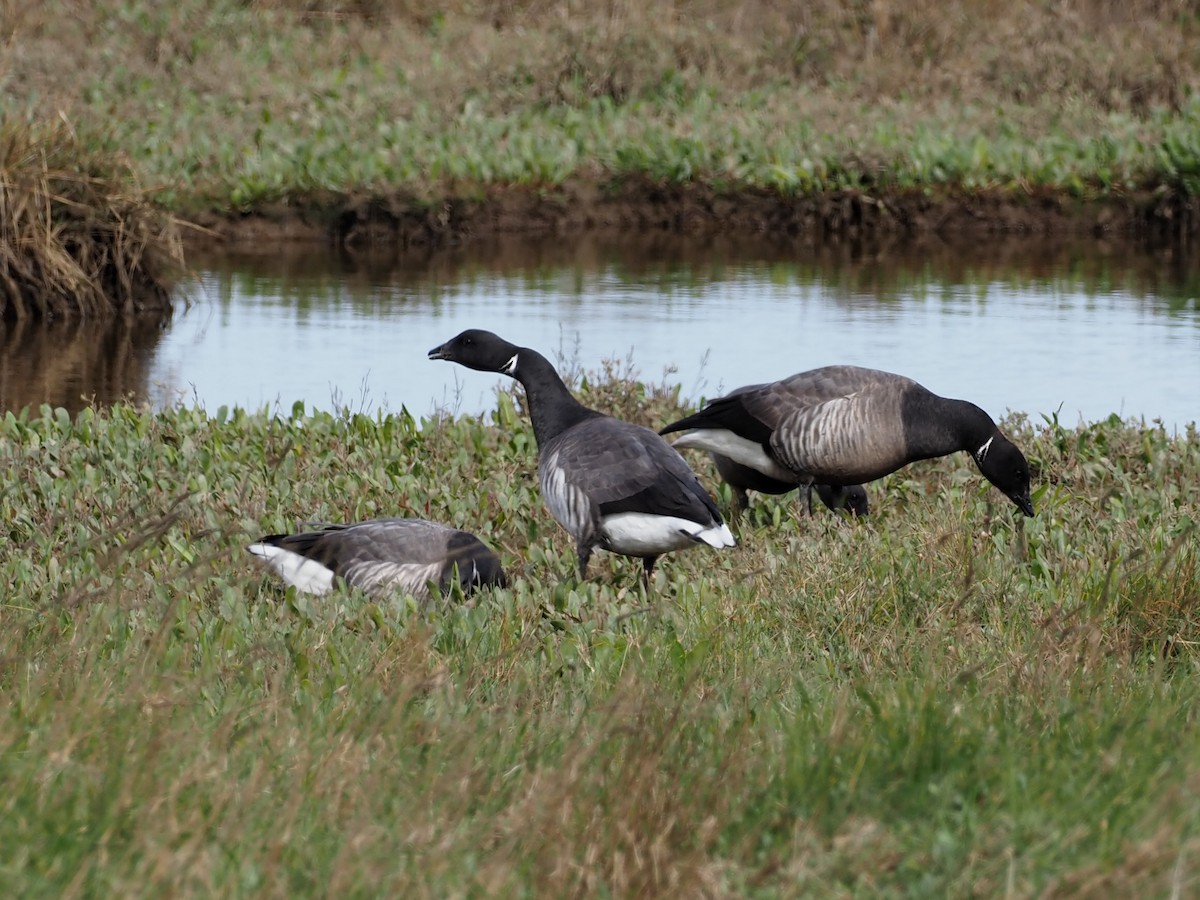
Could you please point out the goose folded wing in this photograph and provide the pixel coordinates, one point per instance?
(408, 540)
(407, 553)
(743, 414)
(339, 546)
(623, 467)
(757, 414)
(321, 545)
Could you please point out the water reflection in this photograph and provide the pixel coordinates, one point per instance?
(70, 364)
(1089, 327)
(673, 264)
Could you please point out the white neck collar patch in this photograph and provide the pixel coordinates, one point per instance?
(982, 452)
(510, 367)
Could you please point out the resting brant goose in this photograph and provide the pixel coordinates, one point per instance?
(610, 484)
(381, 556)
(844, 425)
(852, 498)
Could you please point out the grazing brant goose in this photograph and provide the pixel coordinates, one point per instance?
(852, 498)
(380, 556)
(844, 425)
(610, 484)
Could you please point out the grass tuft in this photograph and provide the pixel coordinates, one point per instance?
(78, 239)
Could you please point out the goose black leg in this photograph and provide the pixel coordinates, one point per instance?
(585, 553)
(647, 567)
(808, 488)
(741, 502)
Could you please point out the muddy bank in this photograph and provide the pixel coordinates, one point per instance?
(579, 208)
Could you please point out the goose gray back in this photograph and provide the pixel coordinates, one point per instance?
(381, 556)
(845, 425)
(611, 484)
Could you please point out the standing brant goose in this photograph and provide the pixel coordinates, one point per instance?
(844, 425)
(380, 556)
(610, 484)
(852, 498)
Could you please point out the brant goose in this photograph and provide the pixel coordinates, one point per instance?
(610, 484)
(379, 556)
(852, 498)
(844, 425)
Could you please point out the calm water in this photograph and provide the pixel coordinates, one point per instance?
(1086, 330)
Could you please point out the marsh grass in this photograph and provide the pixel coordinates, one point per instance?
(78, 239)
(943, 699)
(266, 106)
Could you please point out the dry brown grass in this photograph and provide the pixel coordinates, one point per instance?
(1160, 853)
(77, 238)
(1116, 56)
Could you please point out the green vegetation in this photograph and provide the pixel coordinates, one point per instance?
(236, 105)
(945, 699)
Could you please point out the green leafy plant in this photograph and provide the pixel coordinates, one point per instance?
(942, 694)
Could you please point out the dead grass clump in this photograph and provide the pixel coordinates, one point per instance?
(77, 237)
(1155, 600)
(1159, 864)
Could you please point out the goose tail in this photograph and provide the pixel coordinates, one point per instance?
(307, 575)
(718, 536)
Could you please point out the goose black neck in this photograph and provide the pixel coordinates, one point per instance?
(935, 426)
(552, 408)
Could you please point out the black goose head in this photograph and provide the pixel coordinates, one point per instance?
(1004, 466)
(482, 570)
(478, 566)
(856, 500)
(850, 497)
(480, 350)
